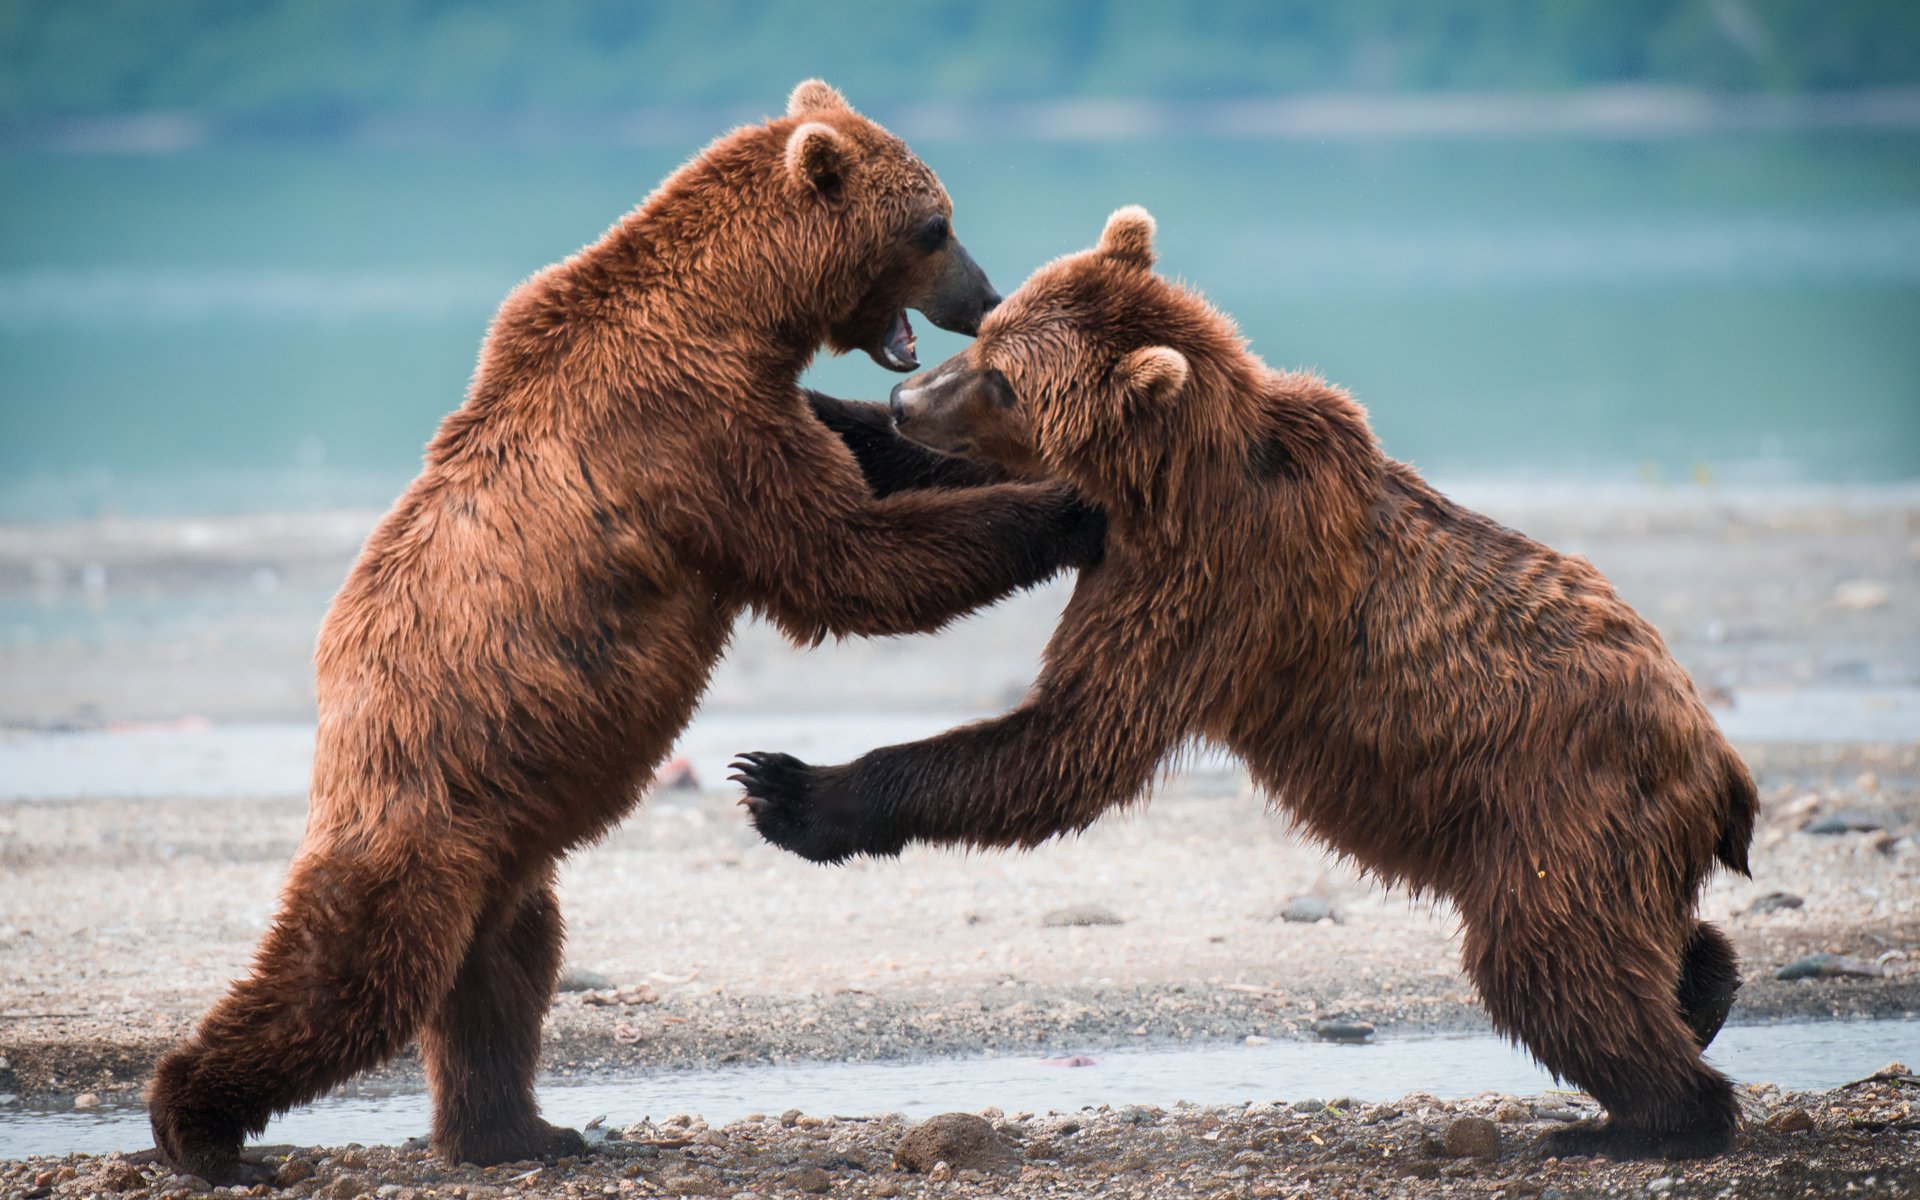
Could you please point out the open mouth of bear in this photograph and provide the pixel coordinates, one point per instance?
(896, 351)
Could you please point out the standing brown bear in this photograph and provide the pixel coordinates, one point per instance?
(1454, 707)
(528, 630)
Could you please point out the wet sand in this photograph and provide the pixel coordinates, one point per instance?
(122, 915)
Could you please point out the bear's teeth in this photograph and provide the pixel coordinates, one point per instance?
(901, 344)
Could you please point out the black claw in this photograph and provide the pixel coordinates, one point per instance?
(806, 809)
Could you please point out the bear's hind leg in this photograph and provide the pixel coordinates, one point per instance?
(482, 1043)
(1593, 1000)
(1709, 977)
(359, 953)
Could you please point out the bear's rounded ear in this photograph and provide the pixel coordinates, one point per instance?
(815, 96)
(817, 159)
(1155, 372)
(1128, 237)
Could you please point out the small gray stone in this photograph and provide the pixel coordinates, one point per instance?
(1775, 902)
(575, 979)
(1308, 1106)
(1342, 1031)
(1306, 910)
(962, 1140)
(1827, 966)
(1080, 914)
(1473, 1137)
(810, 1179)
(1845, 822)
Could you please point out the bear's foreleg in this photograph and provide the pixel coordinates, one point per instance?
(913, 561)
(481, 1043)
(1085, 741)
(889, 462)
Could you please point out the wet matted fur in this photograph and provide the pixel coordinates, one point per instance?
(528, 630)
(1449, 704)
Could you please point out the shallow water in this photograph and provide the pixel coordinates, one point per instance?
(1797, 1056)
(266, 759)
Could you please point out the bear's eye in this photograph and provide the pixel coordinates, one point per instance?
(1001, 389)
(933, 234)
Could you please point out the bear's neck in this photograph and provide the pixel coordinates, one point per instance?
(683, 266)
(1240, 429)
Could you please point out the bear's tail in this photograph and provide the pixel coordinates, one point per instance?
(1742, 801)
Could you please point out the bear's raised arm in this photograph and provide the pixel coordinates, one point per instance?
(890, 462)
(1097, 725)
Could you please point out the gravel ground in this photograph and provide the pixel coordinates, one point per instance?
(1862, 1140)
(125, 919)
(121, 919)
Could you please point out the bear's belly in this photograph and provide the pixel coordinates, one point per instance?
(541, 732)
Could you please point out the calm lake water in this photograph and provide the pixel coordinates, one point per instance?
(248, 328)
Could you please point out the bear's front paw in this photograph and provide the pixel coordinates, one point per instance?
(799, 808)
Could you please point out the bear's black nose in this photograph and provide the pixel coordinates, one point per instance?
(894, 406)
(990, 302)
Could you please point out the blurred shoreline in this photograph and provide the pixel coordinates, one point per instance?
(1628, 111)
(140, 619)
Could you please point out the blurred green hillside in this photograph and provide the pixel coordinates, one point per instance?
(316, 63)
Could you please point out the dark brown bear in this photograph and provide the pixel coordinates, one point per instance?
(1454, 707)
(528, 630)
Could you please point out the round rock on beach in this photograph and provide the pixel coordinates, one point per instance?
(1473, 1137)
(961, 1140)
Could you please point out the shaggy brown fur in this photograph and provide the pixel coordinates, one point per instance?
(528, 630)
(1455, 707)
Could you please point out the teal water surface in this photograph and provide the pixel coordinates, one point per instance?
(236, 328)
